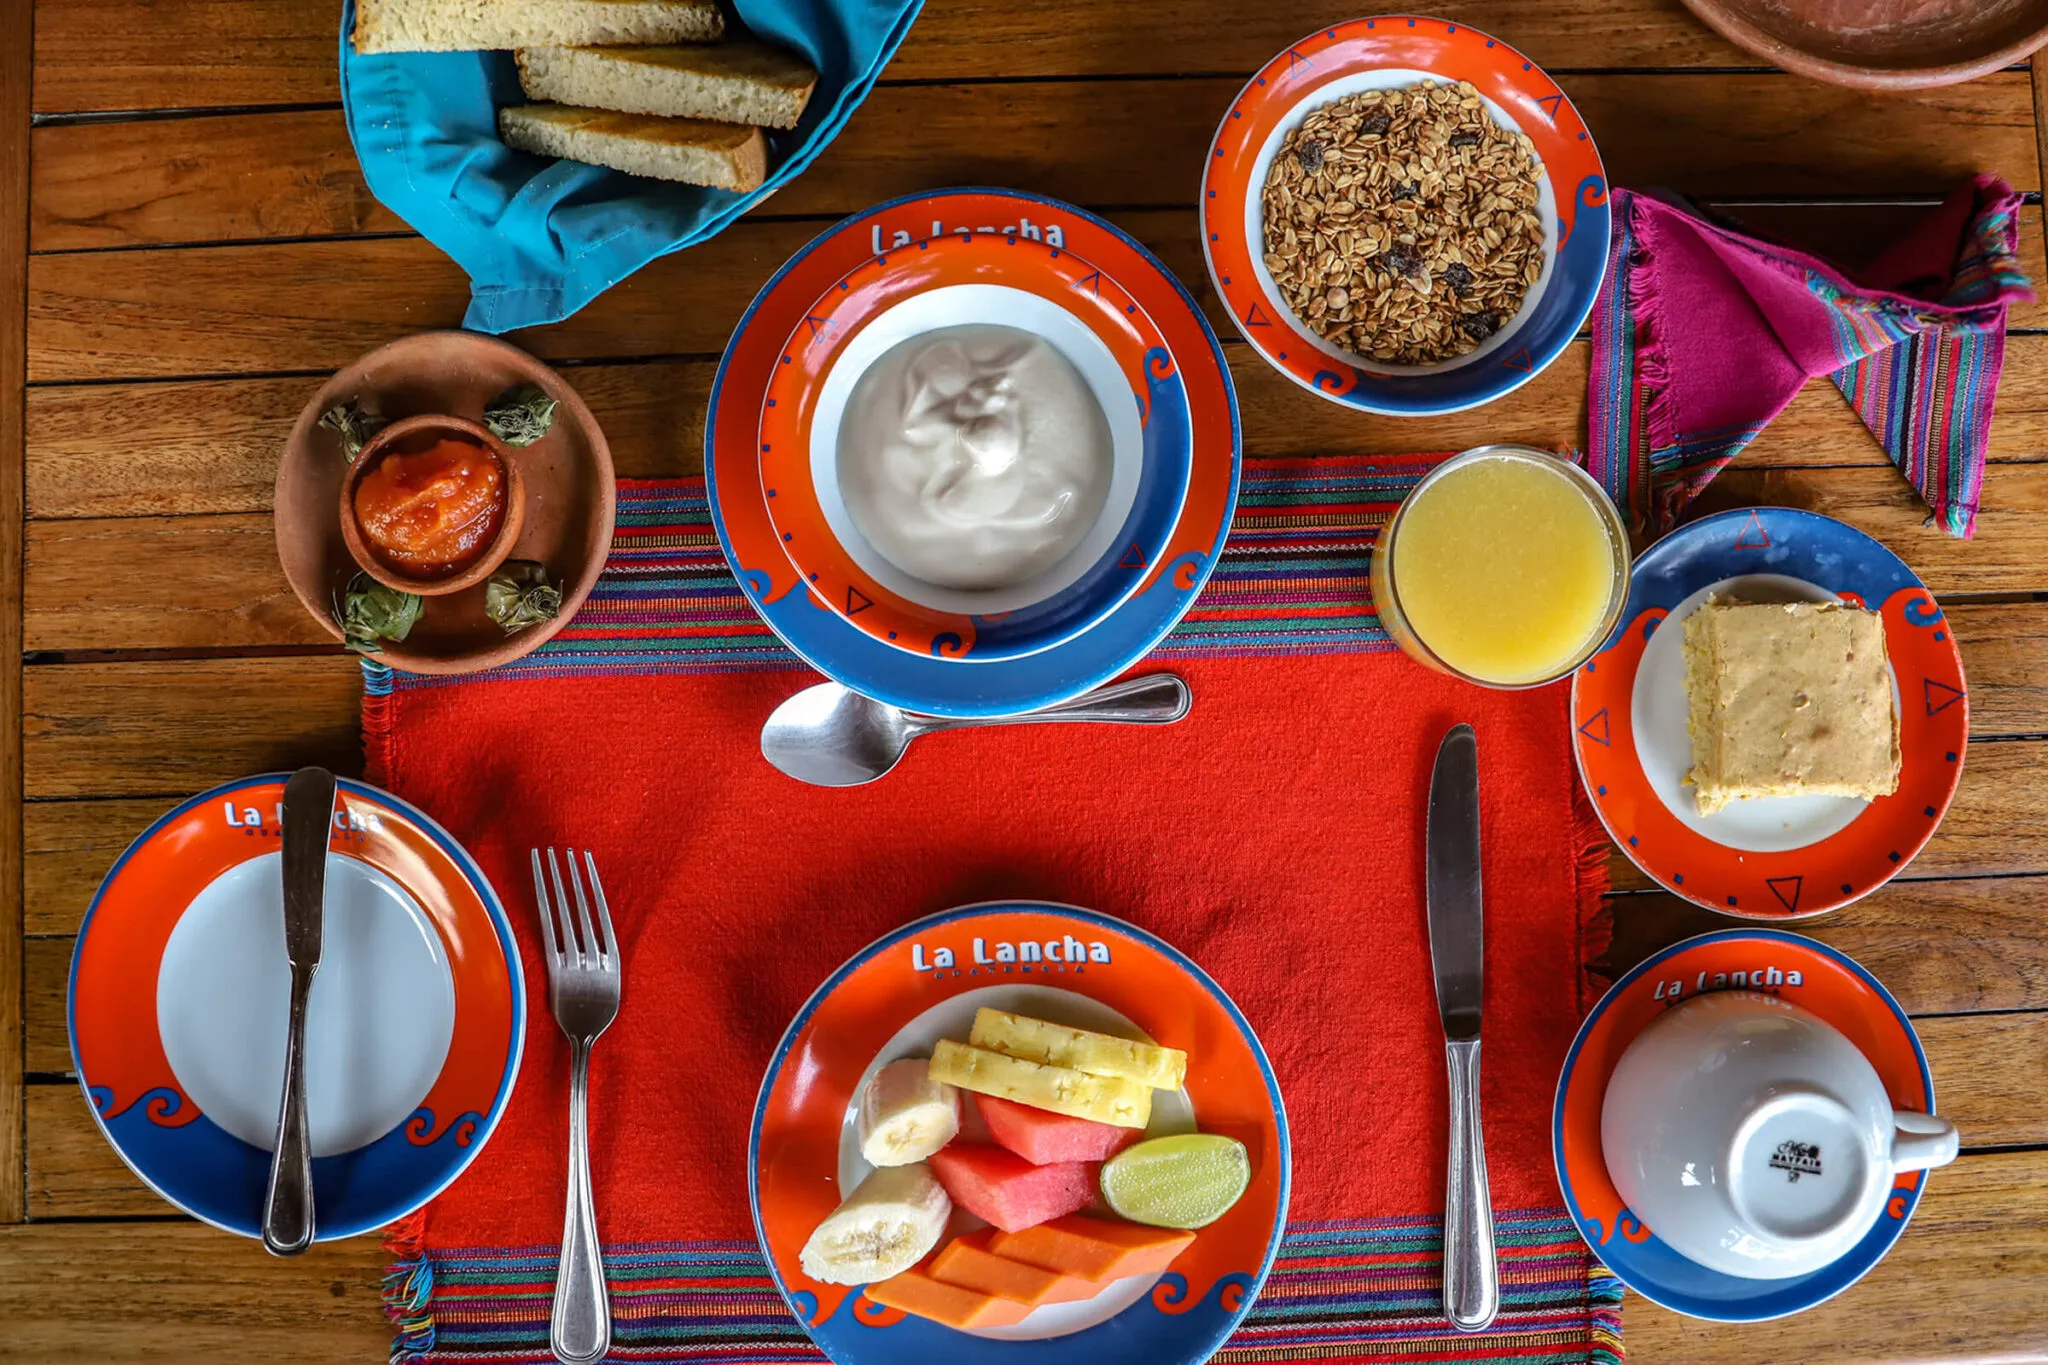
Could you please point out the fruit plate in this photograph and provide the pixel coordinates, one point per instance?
(819, 632)
(901, 994)
(178, 999)
(1772, 857)
(968, 278)
(1801, 970)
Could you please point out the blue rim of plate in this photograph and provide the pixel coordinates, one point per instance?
(933, 1344)
(1933, 722)
(834, 647)
(1649, 1267)
(406, 1176)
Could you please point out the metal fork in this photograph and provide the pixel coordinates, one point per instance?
(583, 988)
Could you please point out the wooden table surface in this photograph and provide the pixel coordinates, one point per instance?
(187, 249)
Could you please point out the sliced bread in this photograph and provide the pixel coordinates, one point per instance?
(482, 25)
(725, 156)
(736, 82)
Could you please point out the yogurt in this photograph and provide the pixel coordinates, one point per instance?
(973, 457)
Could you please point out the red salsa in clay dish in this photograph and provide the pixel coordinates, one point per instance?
(429, 507)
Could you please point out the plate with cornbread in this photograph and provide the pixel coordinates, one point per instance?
(1019, 1132)
(1778, 726)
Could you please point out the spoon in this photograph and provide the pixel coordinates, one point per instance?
(832, 736)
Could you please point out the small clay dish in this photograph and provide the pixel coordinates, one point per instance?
(1882, 44)
(564, 513)
(418, 431)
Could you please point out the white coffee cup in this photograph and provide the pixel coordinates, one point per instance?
(1753, 1138)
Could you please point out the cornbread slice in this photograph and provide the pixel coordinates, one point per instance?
(1788, 699)
(725, 156)
(737, 82)
(483, 25)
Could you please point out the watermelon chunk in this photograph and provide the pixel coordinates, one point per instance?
(1003, 1188)
(1044, 1138)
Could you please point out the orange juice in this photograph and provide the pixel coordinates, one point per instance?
(1506, 565)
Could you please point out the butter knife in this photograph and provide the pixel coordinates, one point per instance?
(308, 817)
(1457, 952)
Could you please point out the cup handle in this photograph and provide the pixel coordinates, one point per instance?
(1922, 1141)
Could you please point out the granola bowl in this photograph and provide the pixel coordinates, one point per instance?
(1405, 215)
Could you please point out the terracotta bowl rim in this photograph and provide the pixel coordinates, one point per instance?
(1738, 30)
(508, 526)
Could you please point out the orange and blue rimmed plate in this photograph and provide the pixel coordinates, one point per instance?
(179, 993)
(1380, 53)
(924, 982)
(1807, 973)
(1769, 857)
(965, 279)
(819, 632)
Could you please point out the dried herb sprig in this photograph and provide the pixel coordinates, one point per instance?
(520, 415)
(354, 426)
(371, 613)
(519, 595)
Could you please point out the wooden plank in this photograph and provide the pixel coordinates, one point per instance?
(73, 1173)
(204, 581)
(150, 54)
(17, 25)
(1961, 1285)
(214, 444)
(181, 1291)
(1977, 1247)
(293, 173)
(67, 846)
(134, 729)
(45, 974)
(1992, 828)
(1940, 947)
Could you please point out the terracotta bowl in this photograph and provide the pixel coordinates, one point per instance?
(1882, 44)
(568, 502)
(509, 524)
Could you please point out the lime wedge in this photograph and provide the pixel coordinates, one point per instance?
(1177, 1182)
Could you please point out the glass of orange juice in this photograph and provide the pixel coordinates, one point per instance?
(1505, 566)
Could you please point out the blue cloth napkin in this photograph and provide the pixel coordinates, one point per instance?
(542, 238)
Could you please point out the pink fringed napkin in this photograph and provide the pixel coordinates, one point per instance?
(1703, 335)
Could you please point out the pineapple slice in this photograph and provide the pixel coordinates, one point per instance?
(1062, 1090)
(1098, 1054)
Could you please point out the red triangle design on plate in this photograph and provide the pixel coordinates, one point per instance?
(1940, 696)
(1520, 361)
(854, 595)
(1753, 536)
(1257, 318)
(1605, 734)
(1778, 885)
(1134, 558)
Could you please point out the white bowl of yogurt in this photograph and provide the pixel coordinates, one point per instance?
(985, 468)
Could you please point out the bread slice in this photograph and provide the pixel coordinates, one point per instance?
(482, 25)
(725, 156)
(737, 82)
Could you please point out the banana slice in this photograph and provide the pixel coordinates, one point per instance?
(905, 1115)
(887, 1225)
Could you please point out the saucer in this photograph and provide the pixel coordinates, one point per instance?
(1009, 279)
(179, 998)
(923, 982)
(1797, 969)
(1769, 857)
(821, 635)
(1379, 53)
(569, 494)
